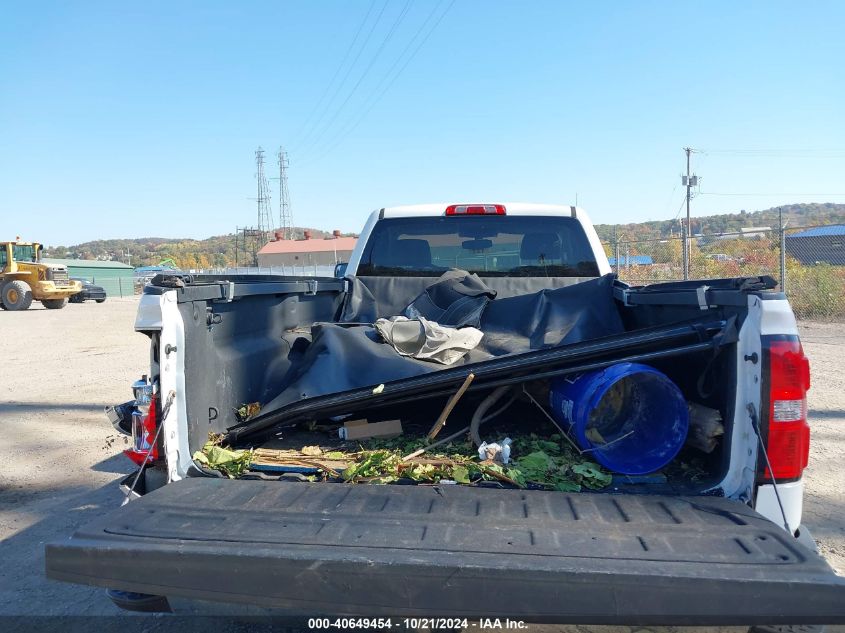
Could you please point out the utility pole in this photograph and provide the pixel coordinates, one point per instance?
(248, 240)
(782, 239)
(689, 181)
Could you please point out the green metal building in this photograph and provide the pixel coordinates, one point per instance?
(115, 277)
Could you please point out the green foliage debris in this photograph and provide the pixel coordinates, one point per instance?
(553, 464)
(247, 411)
(230, 462)
(547, 463)
(540, 463)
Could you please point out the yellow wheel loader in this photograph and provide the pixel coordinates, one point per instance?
(24, 278)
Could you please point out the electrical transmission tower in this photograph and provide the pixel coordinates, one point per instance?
(265, 225)
(285, 214)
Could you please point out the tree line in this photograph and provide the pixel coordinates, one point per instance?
(212, 252)
(805, 214)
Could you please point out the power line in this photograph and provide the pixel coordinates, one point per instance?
(329, 85)
(369, 67)
(680, 208)
(777, 153)
(378, 95)
(671, 195)
(713, 193)
(316, 125)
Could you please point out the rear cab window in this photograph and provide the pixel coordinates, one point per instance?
(491, 246)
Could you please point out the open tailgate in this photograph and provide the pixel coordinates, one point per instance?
(456, 551)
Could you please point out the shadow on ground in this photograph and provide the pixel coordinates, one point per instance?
(35, 407)
(826, 414)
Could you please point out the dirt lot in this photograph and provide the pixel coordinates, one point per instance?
(61, 459)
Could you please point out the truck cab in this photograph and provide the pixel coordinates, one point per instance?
(493, 240)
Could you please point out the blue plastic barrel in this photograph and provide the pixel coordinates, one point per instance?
(631, 417)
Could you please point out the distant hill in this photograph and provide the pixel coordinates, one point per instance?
(217, 251)
(795, 214)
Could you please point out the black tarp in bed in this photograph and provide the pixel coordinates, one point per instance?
(346, 356)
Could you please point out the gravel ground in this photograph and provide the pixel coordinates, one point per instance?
(61, 459)
(824, 497)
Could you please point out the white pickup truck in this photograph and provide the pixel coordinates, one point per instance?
(726, 546)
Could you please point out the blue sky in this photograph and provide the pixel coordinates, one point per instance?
(126, 119)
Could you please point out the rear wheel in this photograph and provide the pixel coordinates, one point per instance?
(54, 304)
(99, 300)
(17, 295)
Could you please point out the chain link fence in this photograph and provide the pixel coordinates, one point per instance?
(305, 270)
(808, 262)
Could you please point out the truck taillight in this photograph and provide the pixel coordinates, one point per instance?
(143, 434)
(788, 434)
(476, 209)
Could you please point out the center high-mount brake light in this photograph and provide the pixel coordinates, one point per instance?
(476, 209)
(788, 436)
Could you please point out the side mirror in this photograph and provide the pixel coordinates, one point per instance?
(340, 269)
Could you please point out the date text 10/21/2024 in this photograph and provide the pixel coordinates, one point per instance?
(415, 623)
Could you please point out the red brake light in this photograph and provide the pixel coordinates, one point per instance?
(788, 441)
(143, 433)
(476, 209)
